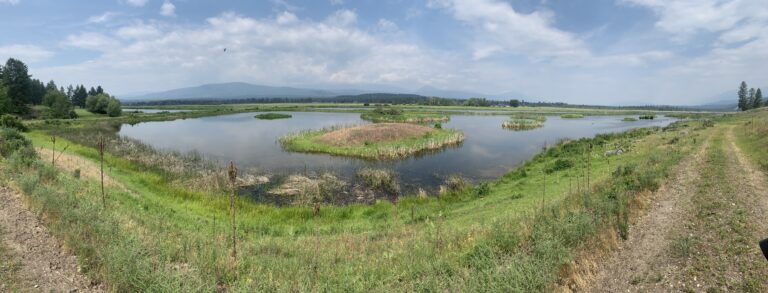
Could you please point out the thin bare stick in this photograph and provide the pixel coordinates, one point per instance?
(233, 180)
(101, 144)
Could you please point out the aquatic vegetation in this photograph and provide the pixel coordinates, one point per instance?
(629, 119)
(372, 141)
(273, 116)
(522, 124)
(391, 115)
(647, 117)
(572, 116)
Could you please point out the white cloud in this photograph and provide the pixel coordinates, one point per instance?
(11, 2)
(29, 53)
(138, 30)
(168, 9)
(342, 18)
(497, 23)
(386, 25)
(104, 17)
(259, 50)
(286, 18)
(137, 3)
(92, 41)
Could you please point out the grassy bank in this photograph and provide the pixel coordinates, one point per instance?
(511, 234)
(572, 116)
(374, 141)
(397, 115)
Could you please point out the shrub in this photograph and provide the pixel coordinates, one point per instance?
(11, 141)
(559, 164)
(438, 126)
(455, 184)
(482, 189)
(11, 121)
(708, 123)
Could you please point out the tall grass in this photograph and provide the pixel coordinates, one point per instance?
(308, 141)
(490, 237)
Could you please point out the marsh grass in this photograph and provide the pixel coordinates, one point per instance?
(572, 116)
(373, 141)
(381, 179)
(396, 115)
(629, 119)
(522, 124)
(273, 116)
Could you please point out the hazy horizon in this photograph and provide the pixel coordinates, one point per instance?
(604, 52)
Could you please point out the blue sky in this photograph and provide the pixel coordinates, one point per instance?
(578, 51)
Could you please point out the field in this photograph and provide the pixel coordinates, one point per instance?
(373, 141)
(521, 232)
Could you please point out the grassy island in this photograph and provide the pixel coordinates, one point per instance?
(373, 141)
(629, 119)
(273, 116)
(394, 115)
(572, 116)
(524, 122)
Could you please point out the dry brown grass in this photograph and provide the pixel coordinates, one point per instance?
(373, 133)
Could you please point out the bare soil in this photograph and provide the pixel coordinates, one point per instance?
(38, 260)
(373, 133)
(702, 232)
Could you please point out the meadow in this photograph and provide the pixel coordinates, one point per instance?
(154, 231)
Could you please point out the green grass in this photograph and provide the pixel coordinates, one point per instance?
(503, 235)
(308, 142)
(405, 117)
(572, 116)
(629, 119)
(273, 116)
(522, 124)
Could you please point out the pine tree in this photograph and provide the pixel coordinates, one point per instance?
(751, 98)
(743, 96)
(17, 84)
(79, 95)
(99, 90)
(758, 101)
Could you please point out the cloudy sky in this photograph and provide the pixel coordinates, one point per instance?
(578, 51)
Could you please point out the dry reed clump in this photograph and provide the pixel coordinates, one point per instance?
(373, 133)
(305, 190)
(454, 184)
(380, 179)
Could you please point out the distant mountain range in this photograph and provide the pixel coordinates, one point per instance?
(242, 90)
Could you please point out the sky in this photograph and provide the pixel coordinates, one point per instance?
(610, 52)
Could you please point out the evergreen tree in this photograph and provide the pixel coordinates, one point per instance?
(79, 95)
(92, 92)
(51, 86)
(36, 92)
(5, 101)
(17, 82)
(99, 90)
(743, 96)
(751, 98)
(758, 101)
(61, 107)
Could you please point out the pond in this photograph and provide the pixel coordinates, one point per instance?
(487, 152)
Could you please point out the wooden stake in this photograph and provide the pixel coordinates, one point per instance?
(101, 144)
(233, 180)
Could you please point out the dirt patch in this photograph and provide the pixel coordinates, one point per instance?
(373, 133)
(70, 163)
(641, 261)
(40, 262)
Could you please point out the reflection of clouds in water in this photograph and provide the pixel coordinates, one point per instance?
(480, 151)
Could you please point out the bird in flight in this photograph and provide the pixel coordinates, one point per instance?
(225, 49)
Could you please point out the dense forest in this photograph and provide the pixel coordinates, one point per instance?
(24, 96)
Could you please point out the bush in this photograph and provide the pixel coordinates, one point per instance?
(438, 126)
(103, 104)
(11, 121)
(11, 141)
(559, 164)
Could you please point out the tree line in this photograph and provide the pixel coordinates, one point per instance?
(19, 92)
(750, 98)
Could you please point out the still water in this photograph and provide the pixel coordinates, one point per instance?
(487, 152)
